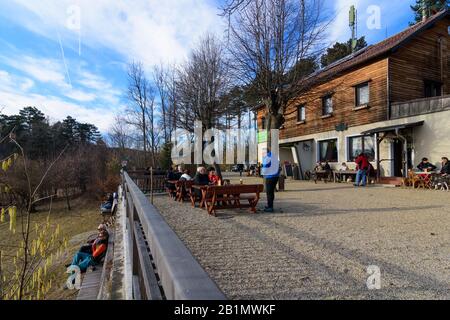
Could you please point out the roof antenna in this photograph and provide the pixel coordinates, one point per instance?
(354, 27)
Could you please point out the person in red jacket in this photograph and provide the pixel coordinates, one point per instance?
(213, 177)
(97, 251)
(363, 167)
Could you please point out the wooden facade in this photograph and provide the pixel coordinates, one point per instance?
(398, 75)
(345, 111)
(425, 57)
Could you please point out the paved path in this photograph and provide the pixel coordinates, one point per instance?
(320, 242)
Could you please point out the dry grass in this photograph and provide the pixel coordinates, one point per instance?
(76, 225)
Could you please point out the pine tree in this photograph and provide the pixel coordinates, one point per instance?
(341, 50)
(430, 7)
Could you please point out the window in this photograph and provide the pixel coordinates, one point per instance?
(301, 113)
(328, 150)
(263, 123)
(432, 89)
(327, 105)
(362, 94)
(360, 144)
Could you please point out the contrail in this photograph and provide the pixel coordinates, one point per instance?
(64, 60)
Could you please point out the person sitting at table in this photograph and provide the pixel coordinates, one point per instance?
(426, 166)
(171, 176)
(318, 167)
(213, 177)
(201, 179)
(344, 167)
(445, 171)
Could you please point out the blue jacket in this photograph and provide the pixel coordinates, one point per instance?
(270, 164)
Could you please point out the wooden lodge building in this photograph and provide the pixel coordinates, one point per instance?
(390, 100)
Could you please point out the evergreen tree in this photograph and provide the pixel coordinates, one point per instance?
(429, 7)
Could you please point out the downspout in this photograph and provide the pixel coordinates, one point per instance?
(388, 91)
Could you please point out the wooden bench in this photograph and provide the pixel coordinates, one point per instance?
(183, 190)
(93, 285)
(230, 197)
(324, 175)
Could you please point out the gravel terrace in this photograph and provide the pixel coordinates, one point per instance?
(320, 242)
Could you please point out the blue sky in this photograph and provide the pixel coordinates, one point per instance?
(49, 60)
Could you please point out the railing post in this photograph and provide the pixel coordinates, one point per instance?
(151, 184)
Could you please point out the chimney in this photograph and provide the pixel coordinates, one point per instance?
(424, 11)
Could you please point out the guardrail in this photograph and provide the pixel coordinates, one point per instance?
(419, 106)
(149, 181)
(161, 265)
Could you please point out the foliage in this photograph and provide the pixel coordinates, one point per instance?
(430, 7)
(341, 50)
(27, 277)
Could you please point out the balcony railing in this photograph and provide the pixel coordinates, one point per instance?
(419, 106)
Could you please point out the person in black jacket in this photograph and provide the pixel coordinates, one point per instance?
(201, 179)
(445, 171)
(426, 166)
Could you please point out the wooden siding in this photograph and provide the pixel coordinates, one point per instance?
(418, 60)
(343, 91)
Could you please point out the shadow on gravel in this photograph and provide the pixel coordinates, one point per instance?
(293, 208)
(418, 281)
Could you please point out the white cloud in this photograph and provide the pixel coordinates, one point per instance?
(54, 107)
(41, 69)
(90, 104)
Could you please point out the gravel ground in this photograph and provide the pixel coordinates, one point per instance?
(321, 240)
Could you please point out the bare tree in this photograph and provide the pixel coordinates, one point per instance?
(162, 76)
(121, 134)
(141, 96)
(201, 83)
(268, 38)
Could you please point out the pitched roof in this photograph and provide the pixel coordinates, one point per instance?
(376, 50)
(373, 51)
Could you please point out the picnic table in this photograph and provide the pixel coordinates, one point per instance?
(337, 175)
(181, 191)
(424, 179)
(227, 197)
(324, 175)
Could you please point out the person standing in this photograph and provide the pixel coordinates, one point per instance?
(363, 166)
(445, 171)
(271, 174)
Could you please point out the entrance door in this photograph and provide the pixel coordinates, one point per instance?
(398, 157)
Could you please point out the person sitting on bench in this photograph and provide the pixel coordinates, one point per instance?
(186, 176)
(98, 250)
(426, 166)
(213, 177)
(201, 179)
(107, 205)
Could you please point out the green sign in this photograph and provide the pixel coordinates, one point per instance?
(262, 136)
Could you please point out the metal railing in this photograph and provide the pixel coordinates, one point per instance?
(419, 106)
(160, 264)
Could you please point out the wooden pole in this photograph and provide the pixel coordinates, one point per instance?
(151, 184)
